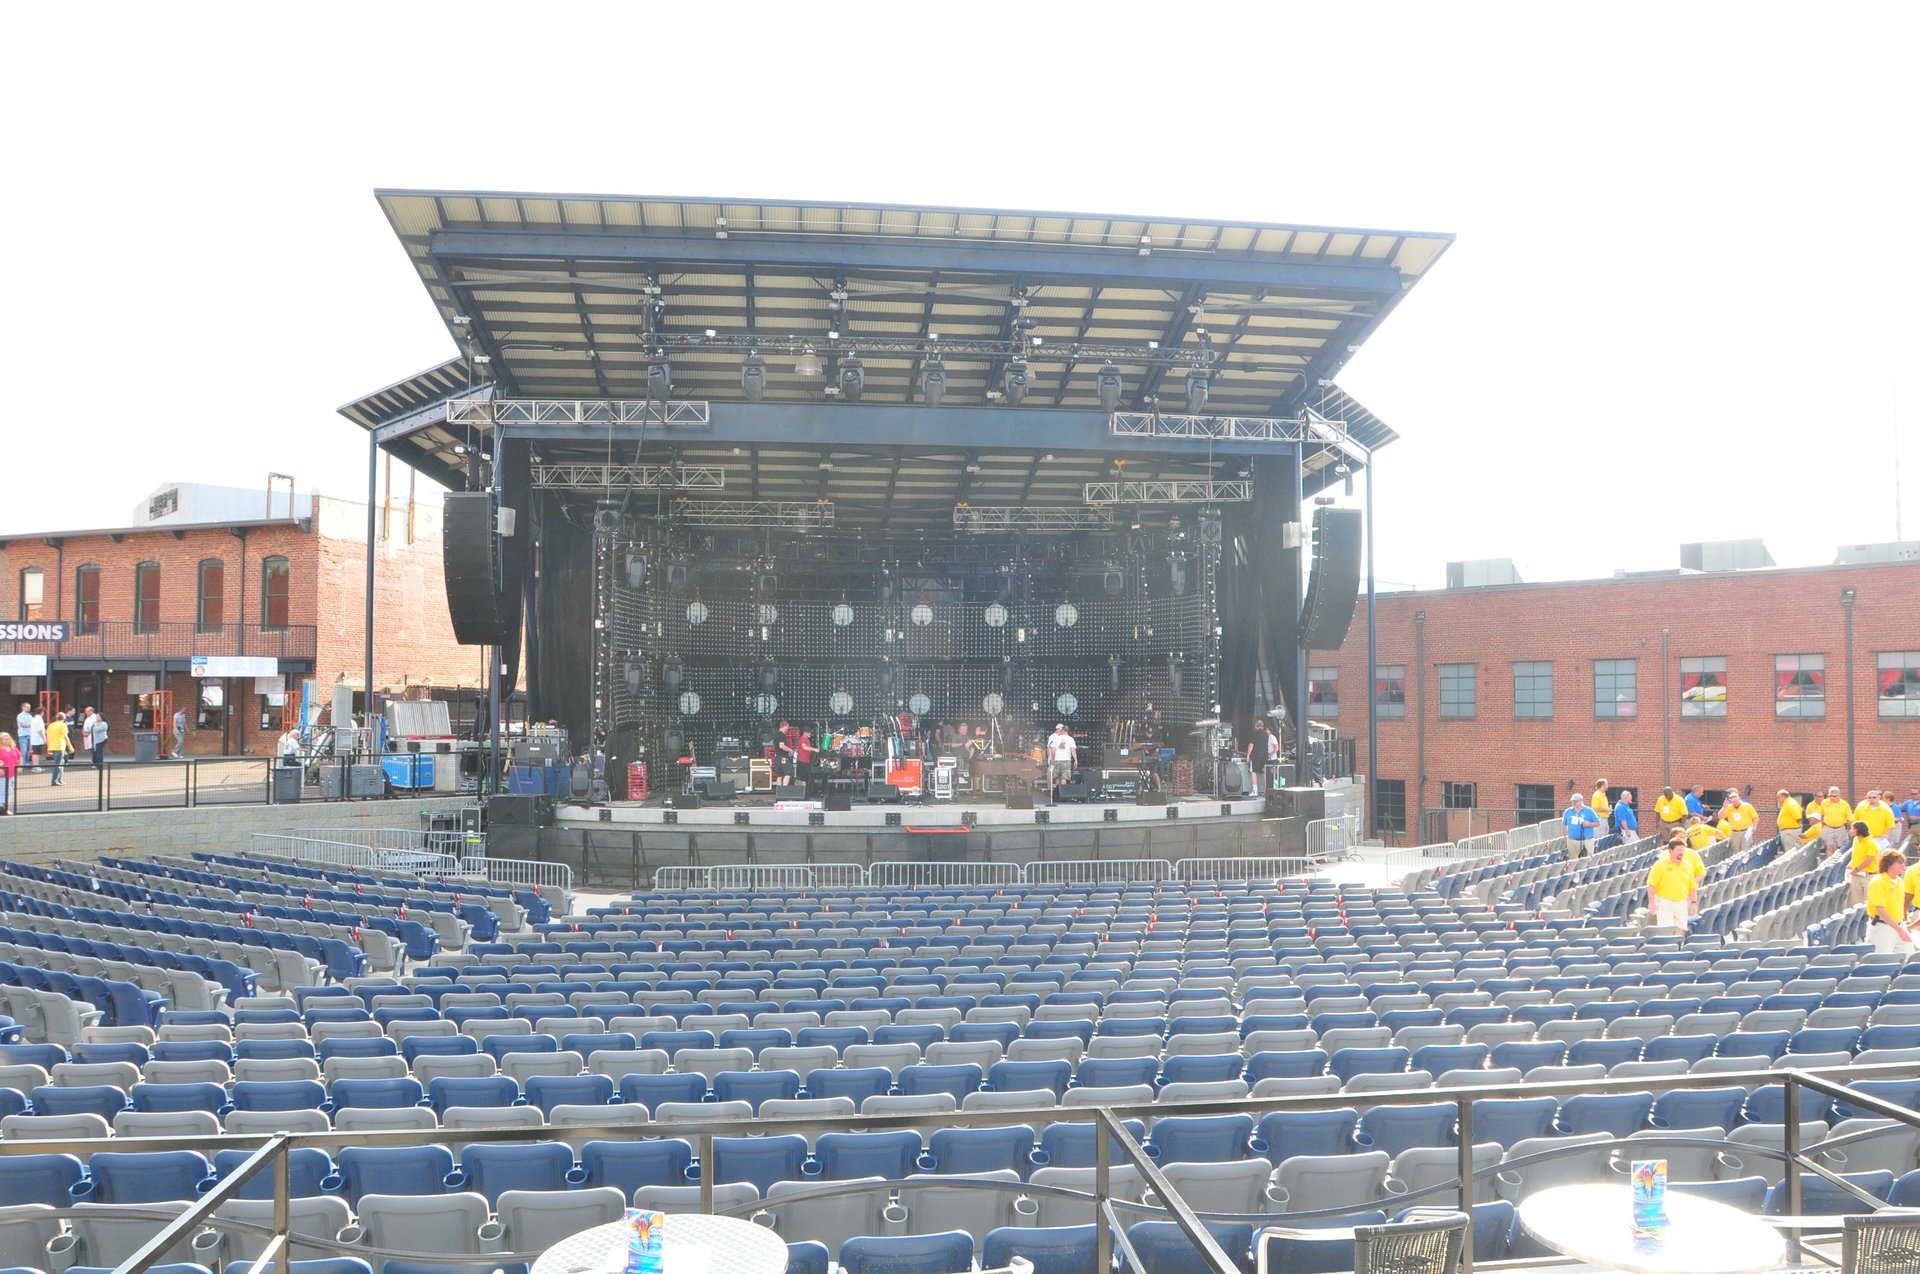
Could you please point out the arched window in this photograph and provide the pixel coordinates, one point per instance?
(86, 599)
(211, 616)
(276, 585)
(146, 597)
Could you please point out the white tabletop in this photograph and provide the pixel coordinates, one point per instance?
(691, 1244)
(1594, 1223)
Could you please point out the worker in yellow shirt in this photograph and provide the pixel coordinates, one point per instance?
(1877, 815)
(1738, 816)
(1671, 808)
(1701, 833)
(1790, 820)
(1600, 804)
(1887, 908)
(1864, 863)
(1673, 891)
(1837, 815)
(1815, 830)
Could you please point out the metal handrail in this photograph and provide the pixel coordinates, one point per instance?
(271, 1148)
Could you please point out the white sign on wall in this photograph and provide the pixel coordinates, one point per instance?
(234, 666)
(23, 666)
(142, 683)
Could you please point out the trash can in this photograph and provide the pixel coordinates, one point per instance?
(146, 745)
(288, 780)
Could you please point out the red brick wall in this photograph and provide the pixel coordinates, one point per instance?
(1747, 617)
(414, 643)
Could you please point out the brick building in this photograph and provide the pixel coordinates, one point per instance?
(268, 591)
(1500, 698)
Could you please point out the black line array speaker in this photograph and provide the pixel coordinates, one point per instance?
(478, 601)
(1335, 582)
(520, 811)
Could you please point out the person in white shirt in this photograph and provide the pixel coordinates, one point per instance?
(97, 738)
(23, 731)
(37, 739)
(289, 746)
(1062, 754)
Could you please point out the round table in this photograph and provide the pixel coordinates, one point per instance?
(1594, 1223)
(693, 1244)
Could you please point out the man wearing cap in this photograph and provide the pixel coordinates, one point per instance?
(1581, 825)
(1878, 816)
(1739, 818)
(1837, 817)
(1671, 809)
(1673, 891)
(1062, 752)
(1791, 818)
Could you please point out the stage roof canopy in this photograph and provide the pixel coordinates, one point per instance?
(574, 296)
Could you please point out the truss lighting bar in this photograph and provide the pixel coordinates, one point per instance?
(963, 349)
(1168, 491)
(792, 514)
(1309, 428)
(599, 477)
(670, 413)
(1006, 517)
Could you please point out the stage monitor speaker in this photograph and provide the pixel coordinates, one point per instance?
(477, 598)
(789, 792)
(1152, 796)
(1335, 582)
(1309, 803)
(839, 797)
(1019, 794)
(683, 800)
(1234, 778)
(520, 811)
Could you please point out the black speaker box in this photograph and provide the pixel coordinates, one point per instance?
(789, 792)
(520, 811)
(1075, 793)
(1335, 581)
(477, 595)
(1303, 802)
(839, 797)
(683, 800)
(1152, 796)
(1019, 795)
(715, 789)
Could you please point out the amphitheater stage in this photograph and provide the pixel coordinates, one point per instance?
(626, 845)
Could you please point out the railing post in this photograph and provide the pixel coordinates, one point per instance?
(1463, 1108)
(706, 1172)
(1793, 1162)
(1102, 1165)
(281, 1193)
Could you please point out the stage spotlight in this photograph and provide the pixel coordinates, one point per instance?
(753, 377)
(767, 586)
(853, 378)
(1110, 386)
(1345, 471)
(809, 364)
(633, 672)
(1114, 581)
(1015, 382)
(933, 383)
(672, 673)
(676, 576)
(659, 376)
(1177, 574)
(1196, 389)
(769, 677)
(636, 571)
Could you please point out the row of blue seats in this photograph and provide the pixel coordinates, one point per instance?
(121, 1003)
(530, 900)
(147, 943)
(484, 921)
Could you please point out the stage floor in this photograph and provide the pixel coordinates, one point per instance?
(760, 812)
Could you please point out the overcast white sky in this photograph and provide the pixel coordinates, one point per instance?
(1680, 300)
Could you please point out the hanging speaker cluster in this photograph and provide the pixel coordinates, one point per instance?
(1335, 583)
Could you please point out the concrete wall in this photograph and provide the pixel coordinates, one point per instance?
(40, 838)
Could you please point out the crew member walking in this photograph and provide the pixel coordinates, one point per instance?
(1062, 753)
(1671, 810)
(1673, 891)
(1863, 864)
(1739, 816)
(1789, 820)
(59, 744)
(1887, 908)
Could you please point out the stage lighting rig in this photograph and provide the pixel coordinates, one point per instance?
(1015, 381)
(852, 378)
(933, 382)
(1110, 387)
(659, 376)
(1197, 381)
(753, 377)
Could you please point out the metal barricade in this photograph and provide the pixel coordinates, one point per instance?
(1485, 845)
(897, 875)
(1329, 838)
(1097, 871)
(1240, 869)
(682, 879)
(514, 871)
(760, 876)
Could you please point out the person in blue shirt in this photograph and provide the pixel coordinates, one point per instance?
(1582, 826)
(1625, 821)
(1694, 804)
(1909, 814)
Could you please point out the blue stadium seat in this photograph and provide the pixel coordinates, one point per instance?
(754, 1087)
(1201, 1068)
(843, 1156)
(957, 1080)
(103, 1100)
(362, 1170)
(803, 1258)
(943, 1253)
(1073, 1145)
(1688, 1048)
(651, 1090)
(1608, 1053)
(375, 1046)
(376, 1094)
(1348, 1062)
(1292, 1064)
(279, 1094)
(1506, 1120)
(548, 1091)
(967, 1150)
(1297, 1254)
(1115, 1072)
(1617, 1114)
(157, 1176)
(1282, 1134)
(307, 1171)
(489, 1091)
(1165, 1249)
(1064, 1249)
(1820, 1197)
(492, 1168)
(278, 1049)
(759, 1160)
(628, 1165)
(1200, 1138)
(1698, 1108)
(854, 1083)
(209, 1097)
(1764, 1045)
(1397, 1128)
(40, 1178)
